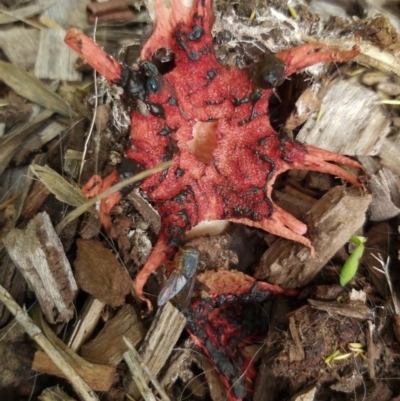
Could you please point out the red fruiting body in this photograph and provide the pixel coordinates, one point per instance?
(213, 123)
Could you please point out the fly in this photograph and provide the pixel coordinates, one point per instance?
(182, 277)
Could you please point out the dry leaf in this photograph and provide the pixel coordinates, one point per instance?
(59, 186)
(98, 272)
(10, 143)
(33, 89)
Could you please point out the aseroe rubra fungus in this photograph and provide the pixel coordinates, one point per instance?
(213, 122)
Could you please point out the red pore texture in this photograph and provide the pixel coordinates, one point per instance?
(226, 156)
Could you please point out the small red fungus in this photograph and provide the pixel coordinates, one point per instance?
(213, 122)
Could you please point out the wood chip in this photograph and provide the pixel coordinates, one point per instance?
(160, 340)
(97, 377)
(331, 222)
(72, 162)
(157, 346)
(86, 323)
(20, 46)
(382, 207)
(355, 310)
(38, 140)
(38, 253)
(54, 394)
(390, 155)
(34, 200)
(99, 273)
(54, 59)
(352, 121)
(139, 372)
(109, 346)
(22, 317)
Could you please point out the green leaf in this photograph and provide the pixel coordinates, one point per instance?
(351, 265)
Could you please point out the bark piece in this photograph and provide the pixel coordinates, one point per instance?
(109, 346)
(355, 310)
(54, 59)
(366, 123)
(99, 273)
(38, 253)
(331, 222)
(35, 199)
(298, 207)
(87, 322)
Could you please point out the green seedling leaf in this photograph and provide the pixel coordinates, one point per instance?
(351, 265)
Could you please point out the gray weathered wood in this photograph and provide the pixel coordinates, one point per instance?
(382, 208)
(55, 60)
(331, 222)
(352, 121)
(60, 10)
(20, 45)
(390, 155)
(38, 253)
(161, 338)
(157, 346)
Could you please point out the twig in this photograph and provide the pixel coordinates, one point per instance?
(82, 389)
(138, 376)
(135, 355)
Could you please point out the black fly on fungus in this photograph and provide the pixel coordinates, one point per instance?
(182, 277)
